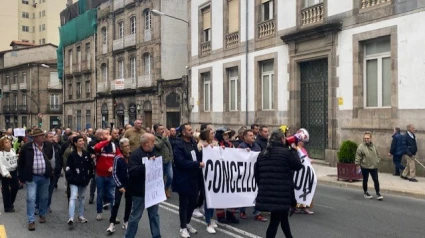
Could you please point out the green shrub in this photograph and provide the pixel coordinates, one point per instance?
(347, 152)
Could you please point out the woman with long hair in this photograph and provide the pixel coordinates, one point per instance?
(9, 177)
(78, 171)
(276, 163)
(206, 138)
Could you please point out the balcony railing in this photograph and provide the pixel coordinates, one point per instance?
(102, 87)
(117, 84)
(144, 81)
(6, 88)
(10, 109)
(14, 87)
(6, 109)
(206, 48)
(372, 3)
(118, 44)
(147, 34)
(266, 28)
(104, 48)
(232, 40)
(118, 4)
(313, 14)
(23, 86)
(54, 108)
(23, 108)
(54, 85)
(130, 83)
(130, 40)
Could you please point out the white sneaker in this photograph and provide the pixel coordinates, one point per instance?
(125, 225)
(184, 233)
(191, 229)
(71, 222)
(111, 228)
(210, 229)
(81, 219)
(213, 223)
(99, 217)
(196, 213)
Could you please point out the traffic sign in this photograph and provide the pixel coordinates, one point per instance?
(40, 115)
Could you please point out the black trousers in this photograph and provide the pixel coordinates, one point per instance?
(92, 187)
(374, 174)
(187, 203)
(9, 189)
(277, 218)
(128, 203)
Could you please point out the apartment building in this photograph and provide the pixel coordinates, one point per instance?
(80, 84)
(33, 21)
(141, 61)
(31, 91)
(337, 68)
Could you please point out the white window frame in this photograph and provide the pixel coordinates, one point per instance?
(206, 79)
(120, 29)
(15, 100)
(271, 79)
(133, 25)
(24, 99)
(271, 10)
(78, 89)
(7, 80)
(236, 80)
(379, 57)
(24, 77)
(25, 28)
(88, 53)
(54, 101)
(120, 69)
(148, 19)
(25, 15)
(88, 89)
(133, 66)
(15, 78)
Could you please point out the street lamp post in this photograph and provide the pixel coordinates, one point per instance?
(159, 13)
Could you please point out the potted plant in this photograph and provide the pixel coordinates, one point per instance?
(346, 158)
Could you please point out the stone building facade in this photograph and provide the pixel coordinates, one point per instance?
(337, 68)
(79, 84)
(141, 60)
(31, 90)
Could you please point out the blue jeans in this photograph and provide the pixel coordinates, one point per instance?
(38, 187)
(209, 213)
(52, 185)
(168, 173)
(80, 190)
(105, 186)
(397, 162)
(136, 214)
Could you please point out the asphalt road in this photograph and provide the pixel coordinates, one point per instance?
(339, 212)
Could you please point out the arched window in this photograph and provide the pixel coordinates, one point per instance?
(104, 70)
(147, 16)
(147, 62)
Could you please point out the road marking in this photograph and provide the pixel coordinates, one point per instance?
(234, 229)
(2, 232)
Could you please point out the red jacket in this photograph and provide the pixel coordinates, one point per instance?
(106, 152)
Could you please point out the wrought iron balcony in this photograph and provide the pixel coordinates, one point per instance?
(23, 108)
(54, 108)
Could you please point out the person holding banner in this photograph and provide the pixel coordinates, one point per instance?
(137, 178)
(8, 174)
(207, 139)
(276, 163)
(301, 208)
(187, 174)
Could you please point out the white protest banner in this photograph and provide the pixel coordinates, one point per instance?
(154, 182)
(229, 177)
(19, 132)
(305, 181)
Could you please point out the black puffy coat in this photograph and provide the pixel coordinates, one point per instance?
(79, 169)
(273, 174)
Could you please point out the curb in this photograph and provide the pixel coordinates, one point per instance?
(391, 191)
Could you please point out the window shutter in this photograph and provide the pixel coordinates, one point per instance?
(206, 17)
(233, 16)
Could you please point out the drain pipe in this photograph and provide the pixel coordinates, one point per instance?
(246, 63)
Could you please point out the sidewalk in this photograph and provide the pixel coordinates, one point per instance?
(389, 184)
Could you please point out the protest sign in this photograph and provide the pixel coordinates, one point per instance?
(154, 182)
(229, 177)
(305, 181)
(19, 132)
